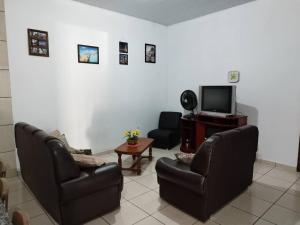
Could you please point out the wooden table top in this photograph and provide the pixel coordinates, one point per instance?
(139, 148)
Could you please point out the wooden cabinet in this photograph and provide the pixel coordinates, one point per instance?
(195, 131)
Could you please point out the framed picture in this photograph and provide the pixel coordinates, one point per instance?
(88, 54)
(38, 44)
(123, 59)
(123, 47)
(150, 53)
(233, 76)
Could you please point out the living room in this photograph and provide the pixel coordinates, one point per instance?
(93, 104)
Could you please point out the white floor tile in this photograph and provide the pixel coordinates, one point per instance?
(19, 196)
(32, 208)
(149, 166)
(282, 216)
(262, 168)
(149, 202)
(263, 192)
(98, 221)
(140, 199)
(126, 179)
(284, 174)
(133, 189)
(149, 221)
(149, 181)
(127, 214)
(14, 184)
(295, 189)
(206, 223)
(172, 216)
(275, 183)
(233, 216)
(289, 201)
(41, 220)
(133, 175)
(263, 222)
(251, 205)
(156, 190)
(256, 176)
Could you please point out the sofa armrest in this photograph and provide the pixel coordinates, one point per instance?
(92, 180)
(180, 174)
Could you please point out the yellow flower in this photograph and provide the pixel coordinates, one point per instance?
(132, 133)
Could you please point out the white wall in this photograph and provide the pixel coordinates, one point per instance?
(92, 104)
(261, 40)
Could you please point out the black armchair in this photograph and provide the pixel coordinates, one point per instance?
(221, 169)
(167, 135)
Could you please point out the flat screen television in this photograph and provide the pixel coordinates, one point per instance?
(218, 100)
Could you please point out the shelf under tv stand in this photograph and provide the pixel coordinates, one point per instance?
(195, 130)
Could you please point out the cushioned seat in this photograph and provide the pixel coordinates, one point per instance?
(221, 170)
(70, 194)
(168, 134)
(180, 174)
(91, 181)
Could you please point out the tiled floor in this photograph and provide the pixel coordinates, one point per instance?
(273, 198)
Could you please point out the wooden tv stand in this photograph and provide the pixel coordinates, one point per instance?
(194, 131)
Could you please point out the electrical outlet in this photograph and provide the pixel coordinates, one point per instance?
(233, 76)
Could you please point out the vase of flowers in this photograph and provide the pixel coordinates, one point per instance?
(132, 136)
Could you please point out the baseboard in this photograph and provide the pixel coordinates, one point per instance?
(105, 152)
(276, 164)
(288, 167)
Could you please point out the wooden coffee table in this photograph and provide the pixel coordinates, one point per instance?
(136, 152)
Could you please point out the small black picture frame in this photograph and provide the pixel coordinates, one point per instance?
(123, 59)
(38, 43)
(88, 54)
(123, 47)
(150, 53)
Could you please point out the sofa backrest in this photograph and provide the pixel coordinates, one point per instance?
(227, 160)
(45, 163)
(169, 120)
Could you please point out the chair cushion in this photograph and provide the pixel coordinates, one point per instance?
(92, 180)
(169, 120)
(86, 161)
(57, 134)
(65, 166)
(180, 174)
(157, 133)
(185, 157)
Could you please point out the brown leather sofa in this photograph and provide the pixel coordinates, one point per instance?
(221, 169)
(71, 195)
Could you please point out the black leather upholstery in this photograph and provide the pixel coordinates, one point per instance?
(221, 169)
(168, 133)
(180, 174)
(65, 166)
(70, 195)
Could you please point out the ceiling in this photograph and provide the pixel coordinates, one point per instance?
(166, 12)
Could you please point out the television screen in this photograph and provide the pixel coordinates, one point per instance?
(216, 99)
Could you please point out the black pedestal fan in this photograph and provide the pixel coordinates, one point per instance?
(189, 102)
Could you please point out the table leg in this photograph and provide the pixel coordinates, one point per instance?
(138, 164)
(150, 153)
(120, 159)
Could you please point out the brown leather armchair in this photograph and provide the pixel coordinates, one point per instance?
(221, 169)
(71, 195)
